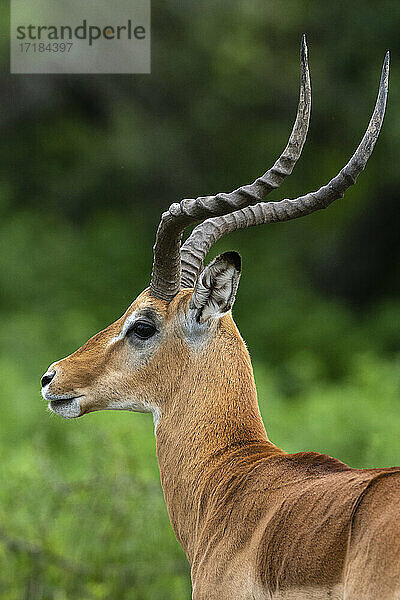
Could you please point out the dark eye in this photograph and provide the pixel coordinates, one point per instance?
(142, 329)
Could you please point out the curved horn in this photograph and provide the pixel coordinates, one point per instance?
(166, 275)
(207, 233)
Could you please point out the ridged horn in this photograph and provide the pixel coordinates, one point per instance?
(166, 274)
(196, 247)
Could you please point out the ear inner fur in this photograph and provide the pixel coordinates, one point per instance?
(216, 287)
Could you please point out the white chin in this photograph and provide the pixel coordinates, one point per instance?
(68, 409)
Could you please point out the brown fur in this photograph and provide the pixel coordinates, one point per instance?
(255, 522)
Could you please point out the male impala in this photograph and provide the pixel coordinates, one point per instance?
(255, 522)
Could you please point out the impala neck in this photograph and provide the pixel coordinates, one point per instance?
(214, 412)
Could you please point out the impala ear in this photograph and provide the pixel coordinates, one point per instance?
(216, 287)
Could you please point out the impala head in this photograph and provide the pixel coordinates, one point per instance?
(136, 363)
(184, 316)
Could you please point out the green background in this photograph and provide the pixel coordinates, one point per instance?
(87, 164)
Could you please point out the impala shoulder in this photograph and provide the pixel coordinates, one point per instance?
(318, 463)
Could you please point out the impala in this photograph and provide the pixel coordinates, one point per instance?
(255, 522)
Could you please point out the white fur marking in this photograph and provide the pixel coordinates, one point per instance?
(128, 322)
(156, 417)
(68, 409)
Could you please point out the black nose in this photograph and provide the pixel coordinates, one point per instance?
(47, 377)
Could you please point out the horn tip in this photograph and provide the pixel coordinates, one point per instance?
(304, 49)
(385, 73)
(386, 62)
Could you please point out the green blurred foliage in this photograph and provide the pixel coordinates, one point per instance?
(86, 166)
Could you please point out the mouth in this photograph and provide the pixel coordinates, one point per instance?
(67, 407)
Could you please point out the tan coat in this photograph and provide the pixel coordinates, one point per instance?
(255, 522)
